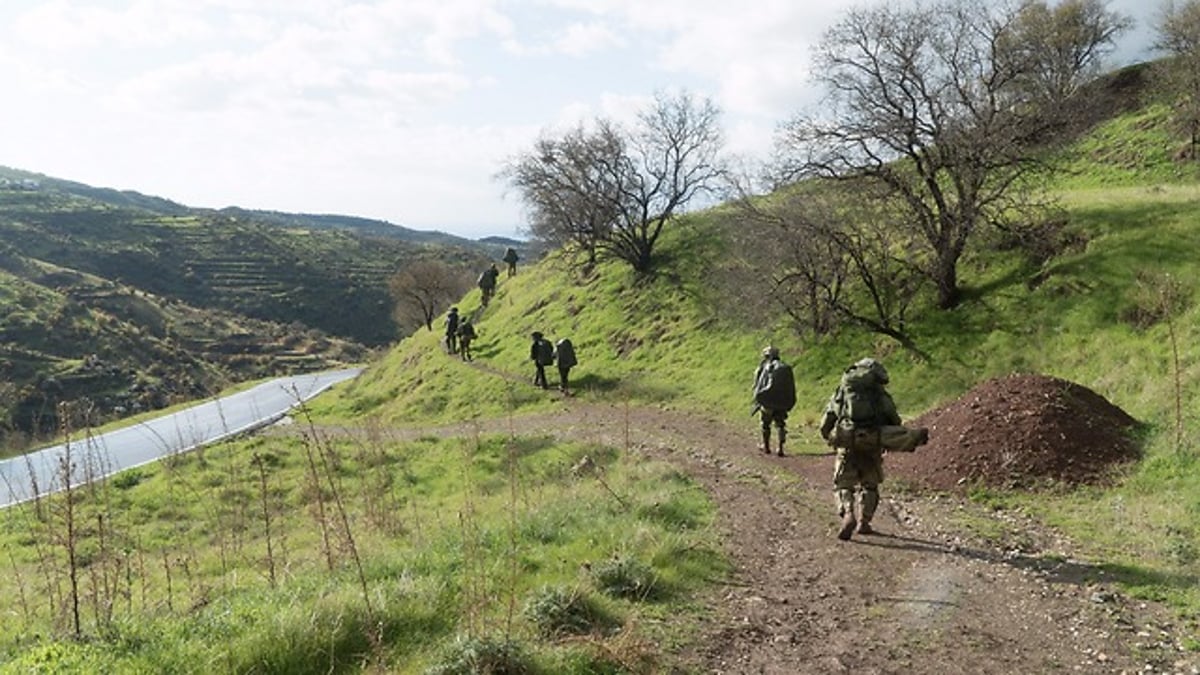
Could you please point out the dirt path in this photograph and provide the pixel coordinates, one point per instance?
(919, 597)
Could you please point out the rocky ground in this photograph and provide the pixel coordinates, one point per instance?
(923, 595)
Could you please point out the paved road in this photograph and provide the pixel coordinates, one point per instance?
(149, 441)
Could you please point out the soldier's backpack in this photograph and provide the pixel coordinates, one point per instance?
(544, 352)
(862, 386)
(776, 387)
(564, 353)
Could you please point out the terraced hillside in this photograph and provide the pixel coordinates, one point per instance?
(331, 280)
(134, 302)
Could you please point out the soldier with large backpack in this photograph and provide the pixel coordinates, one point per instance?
(774, 396)
(564, 358)
(541, 352)
(452, 331)
(860, 422)
(487, 284)
(466, 335)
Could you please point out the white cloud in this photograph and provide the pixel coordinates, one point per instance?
(62, 25)
(394, 109)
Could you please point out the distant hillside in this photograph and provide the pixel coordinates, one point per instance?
(363, 226)
(99, 280)
(17, 179)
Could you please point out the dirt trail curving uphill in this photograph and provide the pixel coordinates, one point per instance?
(922, 596)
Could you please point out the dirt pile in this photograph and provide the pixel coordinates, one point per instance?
(1019, 431)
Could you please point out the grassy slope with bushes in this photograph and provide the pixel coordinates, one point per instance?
(318, 554)
(461, 542)
(1108, 312)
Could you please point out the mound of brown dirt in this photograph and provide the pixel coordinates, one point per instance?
(1019, 431)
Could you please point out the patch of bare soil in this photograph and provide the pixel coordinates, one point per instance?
(923, 595)
(1020, 431)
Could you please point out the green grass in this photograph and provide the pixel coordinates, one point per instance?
(465, 550)
(1081, 317)
(452, 537)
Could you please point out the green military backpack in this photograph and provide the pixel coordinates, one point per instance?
(776, 387)
(862, 387)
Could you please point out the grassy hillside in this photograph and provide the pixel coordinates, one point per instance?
(1115, 312)
(358, 543)
(325, 279)
(133, 302)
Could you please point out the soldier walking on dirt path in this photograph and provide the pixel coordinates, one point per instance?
(487, 284)
(564, 358)
(541, 352)
(466, 334)
(510, 258)
(860, 422)
(452, 331)
(774, 396)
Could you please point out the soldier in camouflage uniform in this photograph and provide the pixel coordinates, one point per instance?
(860, 422)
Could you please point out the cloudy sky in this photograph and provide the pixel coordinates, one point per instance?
(401, 110)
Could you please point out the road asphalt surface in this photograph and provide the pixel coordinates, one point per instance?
(39, 473)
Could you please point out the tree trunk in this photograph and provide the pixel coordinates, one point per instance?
(945, 277)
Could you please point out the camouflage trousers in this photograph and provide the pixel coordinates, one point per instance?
(859, 465)
(776, 417)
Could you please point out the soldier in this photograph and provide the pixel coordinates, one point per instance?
(466, 333)
(541, 352)
(774, 396)
(564, 357)
(511, 258)
(452, 331)
(860, 422)
(487, 284)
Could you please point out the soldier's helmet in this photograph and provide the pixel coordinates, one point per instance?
(770, 352)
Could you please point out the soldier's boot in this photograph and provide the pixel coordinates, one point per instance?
(782, 438)
(846, 511)
(766, 446)
(870, 502)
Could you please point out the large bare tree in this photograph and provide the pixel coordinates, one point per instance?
(1178, 31)
(559, 182)
(612, 190)
(934, 104)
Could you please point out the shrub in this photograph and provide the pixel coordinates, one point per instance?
(623, 577)
(557, 611)
(472, 655)
(128, 479)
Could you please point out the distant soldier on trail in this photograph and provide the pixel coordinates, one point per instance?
(487, 283)
(564, 357)
(511, 258)
(466, 334)
(452, 331)
(860, 422)
(541, 352)
(774, 396)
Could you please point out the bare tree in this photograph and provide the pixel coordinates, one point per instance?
(1178, 31)
(613, 190)
(927, 103)
(832, 259)
(1054, 48)
(424, 288)
(559, 181)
